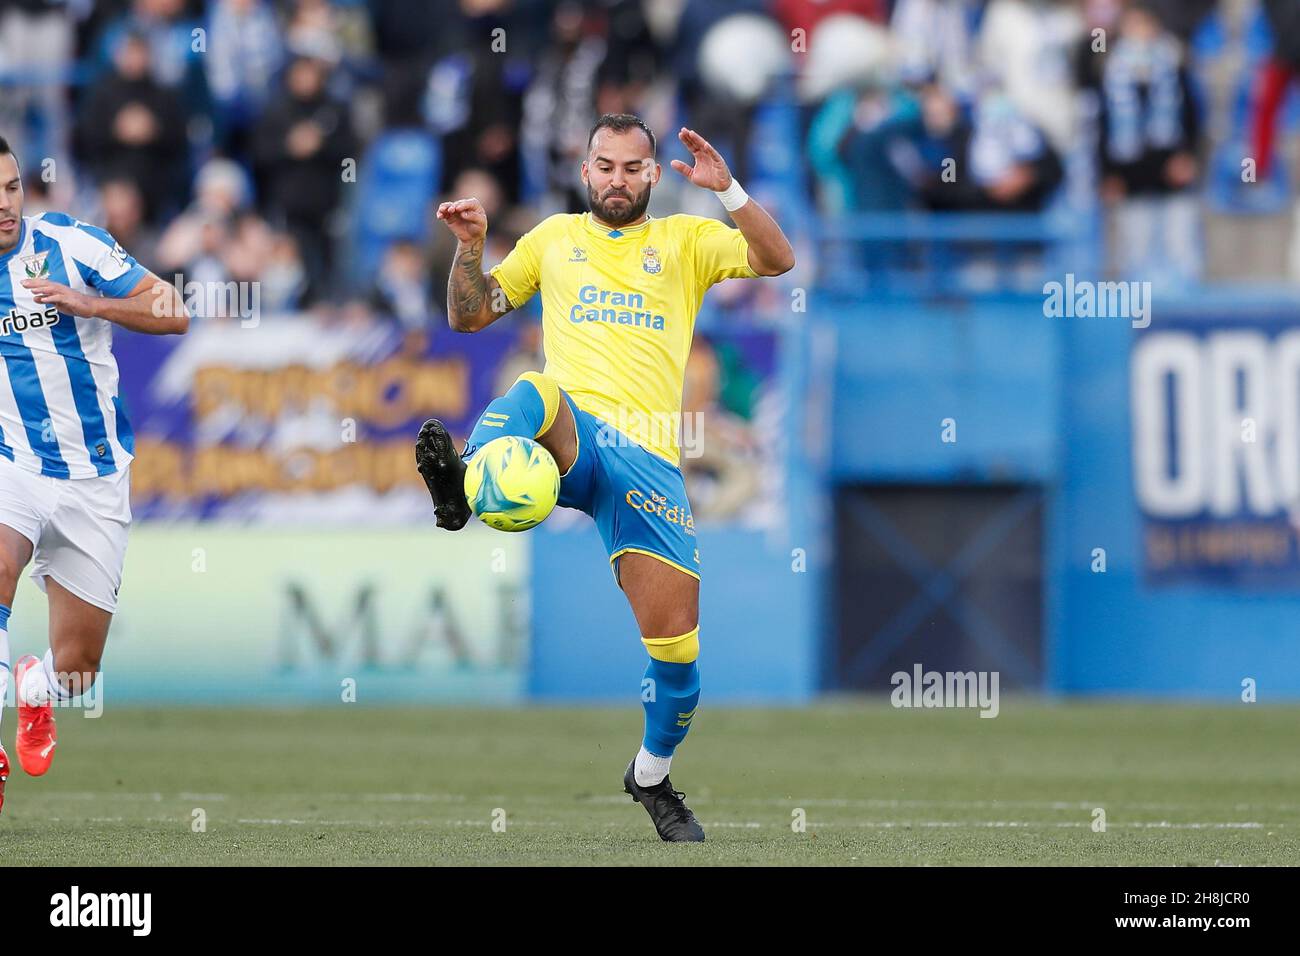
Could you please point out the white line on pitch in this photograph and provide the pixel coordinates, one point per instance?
(703, 799)
(718, 824)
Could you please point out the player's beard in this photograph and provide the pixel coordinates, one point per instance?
(618, 214)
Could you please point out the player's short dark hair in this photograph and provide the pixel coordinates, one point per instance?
(6, 151)
(621, 123)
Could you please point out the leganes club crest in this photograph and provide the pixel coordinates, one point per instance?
(36, 266)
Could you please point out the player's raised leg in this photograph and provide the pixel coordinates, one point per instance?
(78, 632)
(15, 552)
(532, 408)
(665, 602)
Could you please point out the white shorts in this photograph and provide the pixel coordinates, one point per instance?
(77, 527)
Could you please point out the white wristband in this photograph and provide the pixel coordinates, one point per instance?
(733, 197)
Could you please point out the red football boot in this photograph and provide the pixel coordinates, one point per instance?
(4, 774)
(36, 735)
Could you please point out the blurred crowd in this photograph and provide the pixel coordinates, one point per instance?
(985, 105)
(304, 143)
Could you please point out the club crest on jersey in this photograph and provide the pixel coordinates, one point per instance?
(36, 266)
(15, 323)
(650, 260)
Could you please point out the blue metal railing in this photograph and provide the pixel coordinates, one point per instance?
(952, 254)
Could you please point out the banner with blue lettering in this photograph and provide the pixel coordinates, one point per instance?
(1216, 449)
(309, 423)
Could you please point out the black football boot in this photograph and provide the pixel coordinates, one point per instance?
(667, 809)
(443, 472)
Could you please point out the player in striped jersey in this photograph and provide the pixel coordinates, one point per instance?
(65, 443)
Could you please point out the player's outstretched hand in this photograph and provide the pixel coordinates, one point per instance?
(466, 218)
(66, 300)
(710, 170)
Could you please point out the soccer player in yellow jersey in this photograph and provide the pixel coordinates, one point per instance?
(620, 292)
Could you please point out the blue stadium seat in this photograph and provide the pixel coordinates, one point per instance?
(397, 181)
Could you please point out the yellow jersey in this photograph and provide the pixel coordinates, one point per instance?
(618, 311)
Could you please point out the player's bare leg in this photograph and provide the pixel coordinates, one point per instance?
(666, 604)
(78, 632)
(561, 439)
(15, 552)
(664, 600)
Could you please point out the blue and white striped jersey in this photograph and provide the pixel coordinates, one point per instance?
(60, 413)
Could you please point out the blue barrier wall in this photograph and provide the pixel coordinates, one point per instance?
(755, 639)
(902, 368)
(1114, 632)
(1048, 401)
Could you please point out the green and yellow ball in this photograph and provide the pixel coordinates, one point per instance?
(512, 483)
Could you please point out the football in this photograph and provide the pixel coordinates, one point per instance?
(512, 483)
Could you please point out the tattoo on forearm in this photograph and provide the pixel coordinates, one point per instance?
(467, 289)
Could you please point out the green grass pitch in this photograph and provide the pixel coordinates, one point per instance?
(1179, 785)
